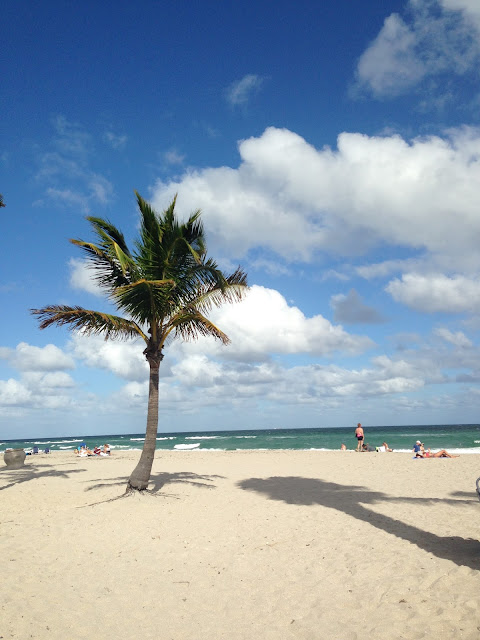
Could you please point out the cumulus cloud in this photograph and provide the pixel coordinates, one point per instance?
(436, 292)
(196, 378)
(301, 200)
(264, 324)
(241, 91)
(350, 309)
(14, 393)
(37, 389)
(390, 64)
(30, 358)
(124, 359)
(81, 277)
(437, 36)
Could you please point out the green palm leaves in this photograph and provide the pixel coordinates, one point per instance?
(165, 285)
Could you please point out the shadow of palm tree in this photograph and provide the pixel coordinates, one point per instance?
(159, 480)
(351, 500)
(32, 472)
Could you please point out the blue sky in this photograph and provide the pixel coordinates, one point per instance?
(334, 149)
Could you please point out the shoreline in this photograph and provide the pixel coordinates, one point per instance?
(238, 544)
(116, 451)
(460, 439)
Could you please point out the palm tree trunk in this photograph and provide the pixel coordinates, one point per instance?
(141, 474)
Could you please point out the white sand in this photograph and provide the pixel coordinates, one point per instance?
(241, 545)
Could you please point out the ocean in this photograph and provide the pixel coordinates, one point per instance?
(456, 438)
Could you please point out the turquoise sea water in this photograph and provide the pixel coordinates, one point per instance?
(459, 438)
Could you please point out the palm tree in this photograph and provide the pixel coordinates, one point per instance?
(165, 287)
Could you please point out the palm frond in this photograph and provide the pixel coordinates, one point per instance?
(218, 290)
(145, 300)
(189, 324)
(90, 322)
(105, 229)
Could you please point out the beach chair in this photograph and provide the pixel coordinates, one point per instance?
(47, 450)
(478, 488)
(35, 450)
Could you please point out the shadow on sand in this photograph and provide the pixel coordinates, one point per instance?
(33, 472)
(159, 480)
(351, 500)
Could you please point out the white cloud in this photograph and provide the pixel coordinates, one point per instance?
(14, 393)
(390, 65)
(81, 277)
(37, 390)
(437, 36)
(436, 292)
(29, 358)
(172, 157)
(264, 324)
(458, 339)
(124, 359)
(240, 92)
(198, 370)
(386, 268)
(301, 200)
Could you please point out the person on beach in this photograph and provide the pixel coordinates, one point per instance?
(417, 449)
(438, 454)
(384, 448)
(106, 449)
(359, 436)
(343, 447)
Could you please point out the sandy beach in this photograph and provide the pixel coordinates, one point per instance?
(245, 544)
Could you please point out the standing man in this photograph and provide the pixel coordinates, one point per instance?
(359, 436)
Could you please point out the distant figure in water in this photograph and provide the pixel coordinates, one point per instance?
(359, 436)
(343, 447)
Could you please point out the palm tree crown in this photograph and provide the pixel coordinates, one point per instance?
(165, 287)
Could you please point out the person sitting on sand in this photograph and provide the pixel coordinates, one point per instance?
(97, 450)
(417, 449)
(343, 447)
(106, 449)
(387, 448)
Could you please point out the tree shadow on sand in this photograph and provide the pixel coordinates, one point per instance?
(351, 500)
(33, 472)
(159, 480)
